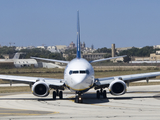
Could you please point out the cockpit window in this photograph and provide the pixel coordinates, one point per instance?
(87, 71)
(75, 72)
(79, 72)
(70, 72)
(82, 71)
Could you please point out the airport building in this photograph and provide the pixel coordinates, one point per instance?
(93, 56)
(154, 58)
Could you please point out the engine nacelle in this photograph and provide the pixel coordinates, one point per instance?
(117, 87)
(40, 89)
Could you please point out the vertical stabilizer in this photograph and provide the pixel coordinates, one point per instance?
(78, 37)
(17, 55)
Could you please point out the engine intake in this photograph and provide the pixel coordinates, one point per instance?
(40, 89)
(117, 87)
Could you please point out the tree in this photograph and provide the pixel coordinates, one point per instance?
(7, 50)
(70, 57)
(38, 52)
(71, 51)
(143, 52)
(127, 59)
(103, 50)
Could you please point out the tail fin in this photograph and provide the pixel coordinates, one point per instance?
(17, 55)
(78, 37)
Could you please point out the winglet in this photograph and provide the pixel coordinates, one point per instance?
(78, 37)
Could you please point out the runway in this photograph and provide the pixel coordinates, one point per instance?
(141, 102)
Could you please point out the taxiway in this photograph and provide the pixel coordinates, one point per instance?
(140, 102)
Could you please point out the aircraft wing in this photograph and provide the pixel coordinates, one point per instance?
(51, 60)
(126, 78)
(106, 59)
(31, 80)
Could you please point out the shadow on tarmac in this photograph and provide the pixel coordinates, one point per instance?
(88, 98)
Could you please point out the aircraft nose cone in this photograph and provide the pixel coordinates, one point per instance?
(79, 79)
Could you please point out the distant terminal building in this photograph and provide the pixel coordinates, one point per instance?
(20, 48)
(42, 47)
(52, 49)
(31, 47)
(60, 47)
(6, 64)
(154, 58)
(93, 56)
(118, 50)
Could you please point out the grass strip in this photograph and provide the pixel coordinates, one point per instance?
(14, 89)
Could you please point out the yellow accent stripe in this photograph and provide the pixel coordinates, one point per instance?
(78, 89)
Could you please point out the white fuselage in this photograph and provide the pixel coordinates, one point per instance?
(79, 75)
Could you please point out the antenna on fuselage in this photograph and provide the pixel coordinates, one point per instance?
(78, 37)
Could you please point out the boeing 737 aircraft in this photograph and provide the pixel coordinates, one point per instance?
(79, 77)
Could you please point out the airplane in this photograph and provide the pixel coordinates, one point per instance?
(79, 78)
(18, 63)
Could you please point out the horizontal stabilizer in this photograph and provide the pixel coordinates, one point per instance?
(106, 59)
(50, 60)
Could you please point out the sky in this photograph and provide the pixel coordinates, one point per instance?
(126, 23)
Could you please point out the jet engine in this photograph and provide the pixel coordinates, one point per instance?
(117, 87)
(40, 89)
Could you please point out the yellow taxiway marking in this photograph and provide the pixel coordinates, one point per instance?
(22, 112)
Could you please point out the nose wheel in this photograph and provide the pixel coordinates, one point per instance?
(78, 99)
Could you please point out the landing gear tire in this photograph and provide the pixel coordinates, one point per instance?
(60, 95)
(104, 94)
(101, 92)
(54, 95)
(98, 94)
(78, 99)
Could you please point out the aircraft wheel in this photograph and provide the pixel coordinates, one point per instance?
(104, 94)
(54, 95)
(78, 99)
(60, 95)
(98, 94)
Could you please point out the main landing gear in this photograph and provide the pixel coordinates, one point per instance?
(78, 99)
(101, 92)
(57, 93)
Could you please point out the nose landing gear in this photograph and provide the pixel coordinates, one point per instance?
(78, 99)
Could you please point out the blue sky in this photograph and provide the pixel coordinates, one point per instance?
(126, 23)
